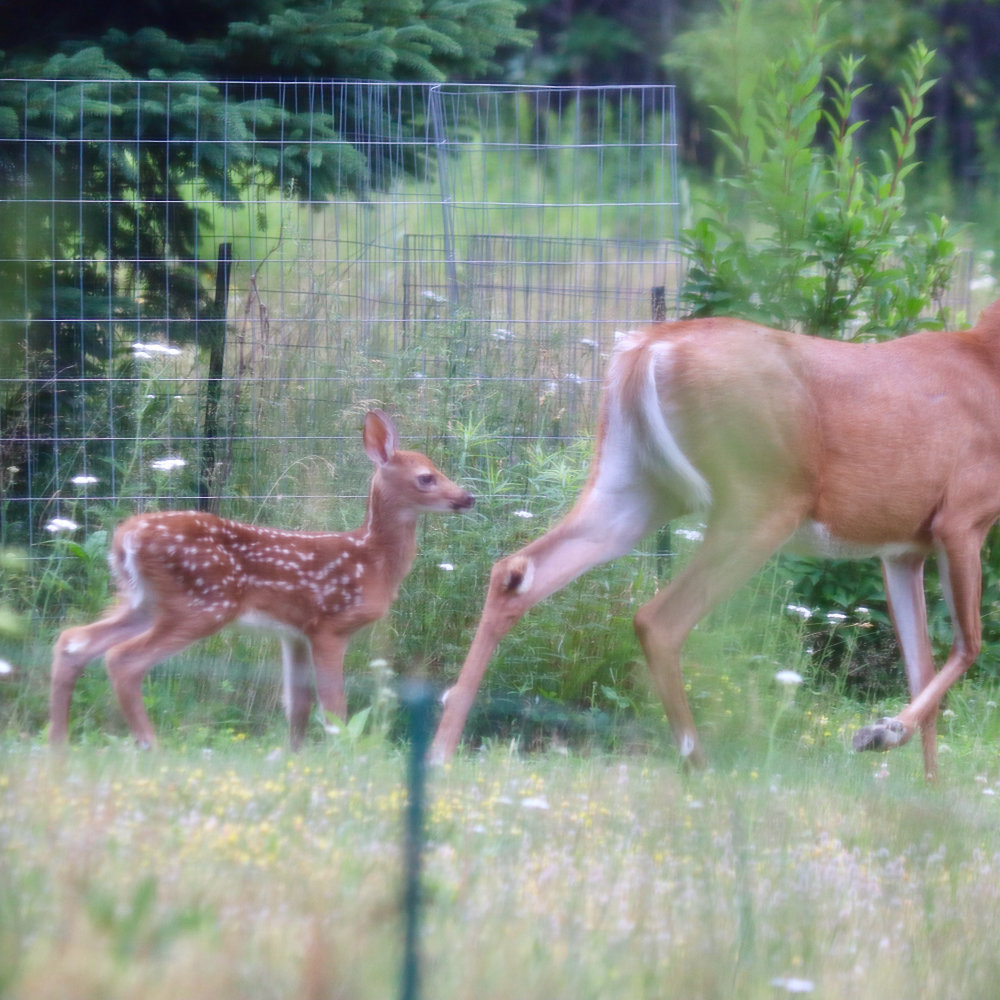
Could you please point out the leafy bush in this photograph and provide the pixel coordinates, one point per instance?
(806, 235)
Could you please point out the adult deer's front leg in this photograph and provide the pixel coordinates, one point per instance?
(960, 571)
(597, 530)
(904, 588)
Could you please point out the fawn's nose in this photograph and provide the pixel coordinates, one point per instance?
(465, 502)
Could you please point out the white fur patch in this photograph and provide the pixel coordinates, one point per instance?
(662, 437)
(130, 574)
(527, 578)
(259, 620)
(815, 539)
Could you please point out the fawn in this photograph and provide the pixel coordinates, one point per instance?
(183, 576)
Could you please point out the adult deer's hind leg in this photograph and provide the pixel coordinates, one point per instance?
(78, 646)
(732, 551)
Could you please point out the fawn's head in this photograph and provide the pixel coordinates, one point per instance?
(408, 479)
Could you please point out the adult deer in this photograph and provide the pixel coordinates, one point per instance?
(838, 449)
(183, 576)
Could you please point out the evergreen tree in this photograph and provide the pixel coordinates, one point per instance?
(426, 40)
(96, 171)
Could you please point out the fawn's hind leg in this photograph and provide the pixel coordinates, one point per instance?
(78, 646)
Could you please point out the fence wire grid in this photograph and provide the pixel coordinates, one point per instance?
(204, 285)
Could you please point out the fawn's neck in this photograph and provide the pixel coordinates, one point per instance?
(389, 532)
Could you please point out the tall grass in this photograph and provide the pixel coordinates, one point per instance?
(247, 873)
(592, 867)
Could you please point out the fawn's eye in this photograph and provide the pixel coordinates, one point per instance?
(426, 481)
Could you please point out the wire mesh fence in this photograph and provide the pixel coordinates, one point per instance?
(205, 284)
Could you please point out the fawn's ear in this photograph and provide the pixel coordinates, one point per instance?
(380, 437)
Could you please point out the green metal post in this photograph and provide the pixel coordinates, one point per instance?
(418, 699)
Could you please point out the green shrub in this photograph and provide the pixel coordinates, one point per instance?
(804, 234)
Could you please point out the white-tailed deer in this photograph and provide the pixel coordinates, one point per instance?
(183, 576)
(838, 449)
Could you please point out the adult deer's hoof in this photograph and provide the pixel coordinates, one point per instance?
(884, 734)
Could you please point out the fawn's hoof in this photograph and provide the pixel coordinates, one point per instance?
(884, 734)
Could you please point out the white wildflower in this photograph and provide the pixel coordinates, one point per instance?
(792, 984)
(58, 524)
(148, 350)
(790, 678)
(535, 802)
(168, 464)
(691, 534)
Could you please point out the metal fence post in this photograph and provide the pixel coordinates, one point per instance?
(208, 485)
(418, 699)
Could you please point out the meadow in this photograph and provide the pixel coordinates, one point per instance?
(240, 870)
(567, 853)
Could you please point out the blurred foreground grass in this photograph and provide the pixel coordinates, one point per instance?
(243, 872)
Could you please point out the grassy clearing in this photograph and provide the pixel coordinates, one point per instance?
(244, 872)
(221, 866)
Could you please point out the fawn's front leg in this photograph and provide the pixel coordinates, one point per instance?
(296, 661)
(328, 659)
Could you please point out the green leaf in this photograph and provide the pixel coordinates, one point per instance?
(355, 727)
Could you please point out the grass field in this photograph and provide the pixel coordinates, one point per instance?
(221, 866)
(245, 872)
